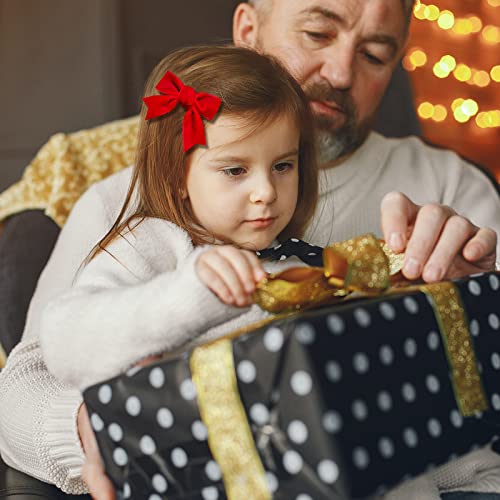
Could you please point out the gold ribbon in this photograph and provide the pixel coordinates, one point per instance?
(365, 266)
(229, 435)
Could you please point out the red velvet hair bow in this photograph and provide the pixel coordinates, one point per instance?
(196, 104)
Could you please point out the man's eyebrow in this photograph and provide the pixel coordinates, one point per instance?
(385, 39)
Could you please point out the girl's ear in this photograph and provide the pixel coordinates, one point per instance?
(245, 25)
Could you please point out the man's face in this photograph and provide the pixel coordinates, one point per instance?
(342, 52)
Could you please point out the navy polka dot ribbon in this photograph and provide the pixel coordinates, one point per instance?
(310, 254)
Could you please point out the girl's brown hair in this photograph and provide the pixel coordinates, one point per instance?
(251, 86)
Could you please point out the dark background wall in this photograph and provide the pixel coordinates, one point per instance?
(71, 64)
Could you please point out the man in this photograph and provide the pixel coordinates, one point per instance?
(343, 53)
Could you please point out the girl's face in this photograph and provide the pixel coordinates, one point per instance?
(244, 186)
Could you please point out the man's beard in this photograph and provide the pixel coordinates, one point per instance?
(335, 140)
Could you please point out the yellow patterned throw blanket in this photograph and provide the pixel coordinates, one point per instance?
(67, 165)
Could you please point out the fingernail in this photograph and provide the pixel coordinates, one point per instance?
(433, 273)
(249, 287)
(396, 241)
(412, 268)
(259, 274)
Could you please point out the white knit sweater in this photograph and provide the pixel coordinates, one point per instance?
(38, 432)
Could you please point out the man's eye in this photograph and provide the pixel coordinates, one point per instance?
(283, 166)
(233, 171)
(316, 36)
(373, 59)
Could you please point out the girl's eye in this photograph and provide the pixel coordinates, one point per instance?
(283, 166)
(233, 171)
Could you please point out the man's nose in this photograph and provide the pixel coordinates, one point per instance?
(338, 66)
(263, 190)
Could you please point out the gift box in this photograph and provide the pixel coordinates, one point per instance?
(340, 401)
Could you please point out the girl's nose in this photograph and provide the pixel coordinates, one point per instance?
(263, 191)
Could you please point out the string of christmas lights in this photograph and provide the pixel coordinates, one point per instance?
(461, 109)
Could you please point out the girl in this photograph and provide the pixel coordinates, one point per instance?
(180, 260)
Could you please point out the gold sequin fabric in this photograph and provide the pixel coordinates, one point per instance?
(67, 165)
(229, 435)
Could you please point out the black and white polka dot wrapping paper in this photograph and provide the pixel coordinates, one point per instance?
(351, 398)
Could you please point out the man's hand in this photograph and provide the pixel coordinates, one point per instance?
(438, 243)
(100, 487)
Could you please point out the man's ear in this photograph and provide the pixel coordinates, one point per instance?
(245, 25)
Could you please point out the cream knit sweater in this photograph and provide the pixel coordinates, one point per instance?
(38, 432)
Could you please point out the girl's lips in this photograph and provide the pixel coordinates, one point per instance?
(261, 223)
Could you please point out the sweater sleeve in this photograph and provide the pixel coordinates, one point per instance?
(38, 431)
(113, 317)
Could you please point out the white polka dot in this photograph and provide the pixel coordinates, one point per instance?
(409, 393)
(246, 371)
(474, 288)
(303, 496)
(456, 419)
(295, 240)
(362, 317)
(333, 371)
(386, 447)
(332, 422)
(410, 437)
(384, 401)
(494, 321)
(292, 462)
(494, 283)
(360, 458)
(387, 311)
(433, 341)
(199, 430)
(159, 483)
(147, 445)
(359, 410)
(120, 457)
(474, 327)
(179, 457)
(105, 394)
(97, 423)
(328, 471)
(410, 347)
(301, 383)
(277, 247)
(154, 496)
(156, 377)
(335, 324)
(272, 482)
(432, 384)
(312, 254)
(282, 257)
(411, 305)
(210, 493)
(434, 427)
(297, 432)
(361, 363)
(133, 406)
(495, 361)
(259, 414)
(273, 339)
(165, 418)
(213, 472)
(188, 389)
(115, 432)
(305, 334)
(126, 490)
(495, 401)
(386, 355)
(132, 371)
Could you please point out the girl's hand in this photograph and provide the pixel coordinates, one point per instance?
(230, 273)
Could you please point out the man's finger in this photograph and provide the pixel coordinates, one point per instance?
(430, 221)
(481, 246)
(456, 232)
(398, 214)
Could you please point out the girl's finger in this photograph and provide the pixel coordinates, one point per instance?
(242, 265)
(213, 282)
(256, 265)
